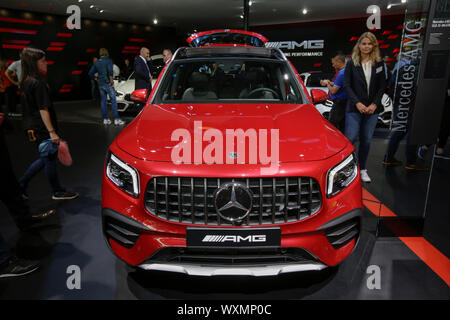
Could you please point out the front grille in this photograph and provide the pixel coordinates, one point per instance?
(231, 257)
(191, 200)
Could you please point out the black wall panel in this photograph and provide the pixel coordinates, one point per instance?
(70, 52)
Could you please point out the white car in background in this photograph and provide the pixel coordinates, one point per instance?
(312, 81)
(124, 87)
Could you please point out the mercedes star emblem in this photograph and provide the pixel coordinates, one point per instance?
(233, 201)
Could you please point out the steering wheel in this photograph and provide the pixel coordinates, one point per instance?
(257, 90)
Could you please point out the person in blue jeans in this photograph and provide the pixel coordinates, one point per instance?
(364, 83)
(40, 122)
(103, 67)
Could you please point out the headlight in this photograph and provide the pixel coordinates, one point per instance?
(340, 176)
(123, 175)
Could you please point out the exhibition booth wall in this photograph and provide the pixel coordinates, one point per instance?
(70, 52)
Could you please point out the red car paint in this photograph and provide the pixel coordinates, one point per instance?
(309, 146)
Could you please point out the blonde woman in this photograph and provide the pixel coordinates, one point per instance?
(365, 83)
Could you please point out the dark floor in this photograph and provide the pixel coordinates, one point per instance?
(74, 236)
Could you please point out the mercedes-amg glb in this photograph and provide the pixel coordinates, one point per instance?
(229, 169)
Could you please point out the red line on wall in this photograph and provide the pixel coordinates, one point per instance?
(6, 19)
(65, 35)
(17, 41)
(83, 63)
(54, 48)
(65, 90)
(77, 72)
(13, 46)
(50, 62)
(57, 44)
(18, 31)
(65, 86)
(91, 50)
(137, 40)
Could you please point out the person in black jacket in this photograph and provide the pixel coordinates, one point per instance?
(142, 67)
(365, 84)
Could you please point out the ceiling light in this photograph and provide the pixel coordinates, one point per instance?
(305, 11)
(250, 3)
(80, 0)
(403, 1)
(91, 6)
(242, 17)
(155, 21)
(101, 11)
(389, 6)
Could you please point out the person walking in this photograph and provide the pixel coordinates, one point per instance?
(365, 84)
(104, 68)
(40, 122)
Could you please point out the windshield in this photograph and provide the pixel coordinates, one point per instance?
(228, 80)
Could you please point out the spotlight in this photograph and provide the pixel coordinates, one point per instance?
(155, 21)
(91, 6)
(101, 11)
(250, 3)
(305, 11)
(241, 16)
(404, 1)
(389, 6)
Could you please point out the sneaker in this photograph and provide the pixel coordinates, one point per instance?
(364, 176)
(441, 156)
(15, 267)
(65, 195)
(33, 220)
(392, 163)
(119, 122)
(106, 121)
(415, 167)
(421, 152)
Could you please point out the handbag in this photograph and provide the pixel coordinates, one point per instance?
(64, 154)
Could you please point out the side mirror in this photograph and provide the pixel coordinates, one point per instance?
(139, 95)
(318, 95)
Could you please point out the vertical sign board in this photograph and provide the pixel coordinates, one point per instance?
(433, 76)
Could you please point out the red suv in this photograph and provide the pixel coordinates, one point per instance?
(189, 185)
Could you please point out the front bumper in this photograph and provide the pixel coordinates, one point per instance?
(135, 235)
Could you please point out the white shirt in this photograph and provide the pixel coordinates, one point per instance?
(16, 66)
(367, 68)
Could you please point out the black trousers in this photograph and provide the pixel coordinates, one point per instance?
(337, 114)
(10, 193)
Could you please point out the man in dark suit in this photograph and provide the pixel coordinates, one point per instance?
(142, 67)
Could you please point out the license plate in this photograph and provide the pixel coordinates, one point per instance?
(233, 238)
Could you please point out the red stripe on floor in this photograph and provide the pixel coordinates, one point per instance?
(437, 261)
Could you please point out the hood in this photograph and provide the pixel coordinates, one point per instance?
(304, 135)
